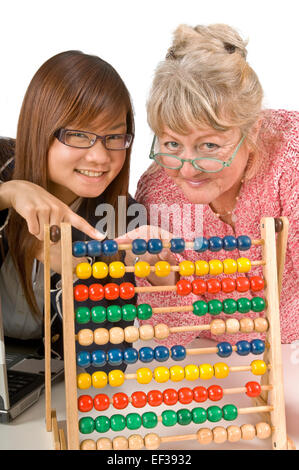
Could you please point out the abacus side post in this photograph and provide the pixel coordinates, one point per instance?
(47, 327)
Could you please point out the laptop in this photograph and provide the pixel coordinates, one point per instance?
(22, 379)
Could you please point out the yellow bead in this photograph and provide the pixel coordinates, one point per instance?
(186, 268)
(201, 267)
(230, 266)
(99, 379)
(191, 372)
(83, 381)
(161, 374)
(83, 270)
(162, 268)
(177, 373)
(144, 375)
(142, 269)
(216, 267)
(258, 367)
(116, 378)
(117, 269)
(221, 370)
(100, 270)
(244, 265)
(206, 371)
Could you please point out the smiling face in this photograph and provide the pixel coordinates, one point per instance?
(85, 172)
(200, 187)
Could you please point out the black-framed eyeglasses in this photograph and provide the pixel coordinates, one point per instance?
(85, 140)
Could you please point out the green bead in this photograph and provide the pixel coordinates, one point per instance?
(98, 314)
(214, 414)
(144, 311)
(230, 412)
(169, 418)
(129, 312)
(86, 425)
(215, 307)
(102, 423)
(184, 416)
(149, 420)
(258, 304)
(199, 415)
(244, 305)
(117, 422)
(230, 306)
(82, 315)
(200, 308)
(114, 313)
(133, 421)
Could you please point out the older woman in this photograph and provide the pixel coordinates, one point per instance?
(214, 146)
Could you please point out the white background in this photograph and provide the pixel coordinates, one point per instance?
(134, 35)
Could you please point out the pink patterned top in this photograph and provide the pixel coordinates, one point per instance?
(272, 192)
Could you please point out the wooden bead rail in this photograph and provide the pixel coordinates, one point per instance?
(203, 436)
(188, 245)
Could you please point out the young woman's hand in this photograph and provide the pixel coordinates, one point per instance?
(146, 232)
(39, 207)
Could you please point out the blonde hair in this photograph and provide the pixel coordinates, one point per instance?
(205, 80)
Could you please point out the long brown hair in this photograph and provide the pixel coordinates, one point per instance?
(69, 87)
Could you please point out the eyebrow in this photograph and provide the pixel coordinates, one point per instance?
(209, 134)
(117, 126)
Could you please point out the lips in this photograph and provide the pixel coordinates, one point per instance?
(90, 173)
(196, 183)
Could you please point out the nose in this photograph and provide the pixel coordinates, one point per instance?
(98, 154)
(188, 171)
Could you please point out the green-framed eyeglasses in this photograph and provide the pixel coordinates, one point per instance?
(211, 163)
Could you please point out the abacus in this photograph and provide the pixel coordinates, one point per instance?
(267, 396)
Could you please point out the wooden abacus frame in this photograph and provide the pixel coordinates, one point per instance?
(273, 391)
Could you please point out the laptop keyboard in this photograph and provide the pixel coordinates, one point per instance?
(20, 384)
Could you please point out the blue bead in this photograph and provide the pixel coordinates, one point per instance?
(130, 355)
(178, 352)
(161, 353)
(243, 348)
(177, 245)
(94, 248)
(99, 358)
(79, 249)
(215, 244)
(224, 349)
(154, 246)
(244, 242)
(83, 359)
(115, 357)
(139, 246)
(257, 346)
(146, 354)
(229, 243)
(201, 244)
(109, 247)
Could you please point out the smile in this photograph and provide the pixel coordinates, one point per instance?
(96, 174)
(195, 183)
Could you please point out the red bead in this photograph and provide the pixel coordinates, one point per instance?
(101, 402)
(185, 395)
(155, 398)
(242, 284)
(213, 286)
(228, 285)
(81, 293)
(126, 290)
(215, 392)
(199, 286)
(120, 400)
(96, 292)
(170, 396)
(111, 291)
(183, 287)
(139, 399)
(200, 394)
(253, 389)
(256, 283)
(85, 403)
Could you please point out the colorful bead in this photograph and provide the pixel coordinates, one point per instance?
(162, 268)
(115, 357)
(215, 267)
(221, 370)
(102, 424)
(133, 421)
(215, 307)
(169, 418)
(128, 312)
(224, 349)
(244, 265)
(80, 293)
(83, 315)
(130, 356)
(215, 392)
(256, 283)
(257, 346)
(117, 269)
(161, 374)
(200, 308)
(83, 270)
(100, 270)
(177, 373)
(144, 375)
(215, 244)
(126, 290)
(117, 422)
(253, 389)
(144, 311)
(202, 267)
(170, 396)
(228, 285)
(96, 292)
(199, 286)
(213, 286)
(199, 415)
(101, 402)
(230, 266)
(177, 245)
(114, 313)
(258, 367)
(230, 412)
(109, 247)
(201, 244)
(184, 287)
(142, 269)
(244, 242)
(242, 284)
(214, 414)
(200, 394)
(206, 371)
(154, 246)
(79, 249)
(155, 398)
(99, 358)
(83, 381)
(98, 314)
(86, 425)
(99, 379)
(186, 268)
(116, 378)
(149, 420)
(161, 353)
(139, 246)
(83, 359)
(230, 306)
(85, 403)
(191, 372)
(94, 248)
(184, 417)
(244, 305)
(185, 395)
(178, 352)
(229, 243)
(146, 354)
(243, 348)
(139, 399)
(258, 304)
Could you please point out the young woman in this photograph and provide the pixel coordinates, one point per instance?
(72, 153)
